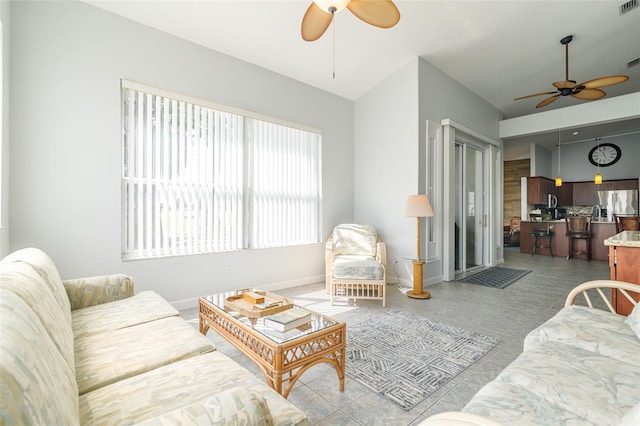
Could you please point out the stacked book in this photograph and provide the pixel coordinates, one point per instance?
(287, 320)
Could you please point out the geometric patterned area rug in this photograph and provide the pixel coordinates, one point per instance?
(495, 277)
(405, 358)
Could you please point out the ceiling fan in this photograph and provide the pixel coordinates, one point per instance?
(318, 17)
(589, 90)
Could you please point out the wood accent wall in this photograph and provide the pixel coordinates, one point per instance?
(513, 171)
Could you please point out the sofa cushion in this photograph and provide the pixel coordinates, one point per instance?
(26, 283)
(179, 385)
(232, 407)
(593, 330)
(105, 358)
(143, 307)
(511, 404)
(550, 378)
(37, 386)
(357, 267)
(632, 418)
(47, 270)
(633, 320)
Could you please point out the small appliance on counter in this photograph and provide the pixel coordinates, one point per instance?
(557, 213)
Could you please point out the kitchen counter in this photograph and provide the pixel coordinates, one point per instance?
(625, 238)
(600, 231)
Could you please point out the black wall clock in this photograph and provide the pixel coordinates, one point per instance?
(605, 154)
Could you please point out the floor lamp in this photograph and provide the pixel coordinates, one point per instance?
(418, 206)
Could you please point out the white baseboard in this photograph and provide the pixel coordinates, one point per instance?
(193, 302)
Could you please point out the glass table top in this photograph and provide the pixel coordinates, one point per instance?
(318, 322)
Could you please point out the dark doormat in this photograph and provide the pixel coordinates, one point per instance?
(495, 277)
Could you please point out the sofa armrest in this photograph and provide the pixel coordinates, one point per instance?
(90, 291)
(457, 418)
(598, 285)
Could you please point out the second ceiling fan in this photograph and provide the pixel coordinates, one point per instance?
(380, 13)
(589, 90)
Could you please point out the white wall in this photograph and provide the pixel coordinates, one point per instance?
(67, 62)
(576, 167)
(5, 20)
(387, 161)
(390, 138)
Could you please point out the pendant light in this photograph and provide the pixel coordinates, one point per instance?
(598, 177)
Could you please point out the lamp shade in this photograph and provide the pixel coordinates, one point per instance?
(418, 206)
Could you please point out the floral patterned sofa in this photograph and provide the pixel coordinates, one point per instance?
(581, 367)
(90, 351)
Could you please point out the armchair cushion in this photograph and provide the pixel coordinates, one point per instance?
(357, 267)
(359, 240)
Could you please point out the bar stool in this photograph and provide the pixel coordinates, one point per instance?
(578, 229)
(541, 229)
(626, 222)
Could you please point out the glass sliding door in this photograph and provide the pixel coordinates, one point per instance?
(469, 207)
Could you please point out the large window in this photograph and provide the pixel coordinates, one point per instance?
(204, 178)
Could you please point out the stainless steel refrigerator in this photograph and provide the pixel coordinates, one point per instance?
(617, 202)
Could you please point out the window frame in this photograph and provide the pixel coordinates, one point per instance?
(138, 253)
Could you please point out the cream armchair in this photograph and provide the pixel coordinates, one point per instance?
(356, 262)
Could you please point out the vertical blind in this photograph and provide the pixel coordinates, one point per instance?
(201, 180)
(283, 202)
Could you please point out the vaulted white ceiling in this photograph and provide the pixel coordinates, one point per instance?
(498, 49)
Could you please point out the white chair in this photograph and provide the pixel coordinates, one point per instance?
(356, 262)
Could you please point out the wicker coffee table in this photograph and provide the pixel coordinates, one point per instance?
(282, 357)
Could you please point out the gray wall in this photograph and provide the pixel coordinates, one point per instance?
(67, 59)
(542, 164)
(441, 98)
(576, 167)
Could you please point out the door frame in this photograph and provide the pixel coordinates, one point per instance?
(493, 194)
(462, 201)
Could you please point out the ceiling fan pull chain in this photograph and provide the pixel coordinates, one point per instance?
(333, 18)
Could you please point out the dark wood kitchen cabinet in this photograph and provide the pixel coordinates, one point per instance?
(565, 194)
(537, 189)
(625, 184)
(583, 193)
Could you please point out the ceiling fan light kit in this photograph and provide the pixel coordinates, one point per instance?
(318, 17)
(588, 90)
(332, 6)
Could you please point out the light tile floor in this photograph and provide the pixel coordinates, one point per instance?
(507, 314)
